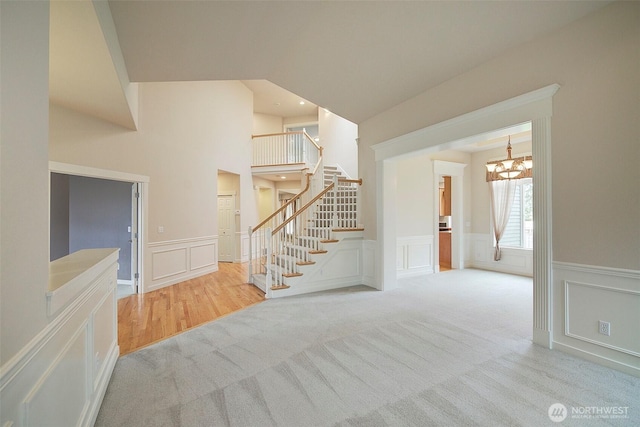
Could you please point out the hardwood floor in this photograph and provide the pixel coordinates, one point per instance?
(153, 316)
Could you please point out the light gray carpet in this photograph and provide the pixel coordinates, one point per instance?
(448, 349)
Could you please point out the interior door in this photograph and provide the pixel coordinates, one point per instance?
(226, 227)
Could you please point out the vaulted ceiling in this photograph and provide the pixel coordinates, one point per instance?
(357, 59)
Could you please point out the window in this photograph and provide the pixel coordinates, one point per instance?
(519, 231)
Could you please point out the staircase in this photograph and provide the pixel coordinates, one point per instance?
(330, 171)
(289, 252)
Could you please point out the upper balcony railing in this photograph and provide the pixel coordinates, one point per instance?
(285, 149)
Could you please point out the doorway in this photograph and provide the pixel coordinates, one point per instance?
(95, 208)
(229, 233)
(226, 227)
(444, 223)
(534, 107)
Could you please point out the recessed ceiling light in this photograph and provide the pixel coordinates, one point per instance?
(283, 177)
(301, 102)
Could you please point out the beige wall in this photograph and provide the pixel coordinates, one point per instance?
(415, 192)
(185, 131)
(594, 129)
(300, 120)
(266, 123)
(24, 173)
(289, 185)
(414, 197)
(265, 196)
(338, 138)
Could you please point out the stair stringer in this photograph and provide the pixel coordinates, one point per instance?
(340, 267)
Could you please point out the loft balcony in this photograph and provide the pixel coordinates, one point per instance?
(290, 154)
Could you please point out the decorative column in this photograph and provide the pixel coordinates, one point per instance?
(542, 232)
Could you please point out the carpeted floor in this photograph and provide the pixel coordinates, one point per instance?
(447, 349)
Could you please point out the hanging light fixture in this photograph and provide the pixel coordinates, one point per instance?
(509, 168)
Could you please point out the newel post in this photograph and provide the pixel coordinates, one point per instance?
(334, 221)
(269, 242)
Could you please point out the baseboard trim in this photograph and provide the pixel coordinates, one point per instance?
(542, 338)
(596, 358)
(420, 271)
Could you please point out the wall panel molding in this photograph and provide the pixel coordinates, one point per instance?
(414, 255)
(242, 245)
(573, 327)
(480, 255)
(341, 267)
(68, 365)
(174, 261)
(369, 262)
(586, 294)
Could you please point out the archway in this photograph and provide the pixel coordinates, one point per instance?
(535, 107)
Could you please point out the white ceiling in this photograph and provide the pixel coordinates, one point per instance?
(269, 98)
(356, 59)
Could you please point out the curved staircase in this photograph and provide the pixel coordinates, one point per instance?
(310, 249)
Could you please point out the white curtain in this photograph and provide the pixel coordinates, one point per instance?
(502, 193)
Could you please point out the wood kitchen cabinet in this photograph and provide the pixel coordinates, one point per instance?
(445, 197)
(445, 249)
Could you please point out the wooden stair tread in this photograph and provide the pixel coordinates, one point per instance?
(305, 262)
(291, 275)
(347, 229)
(318, 252)
(329, 241)
(279, 287)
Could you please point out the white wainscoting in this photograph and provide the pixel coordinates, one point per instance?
(584, 295)
(60, 377)
(341, 267)
(479, 254)
(414, 255)
(242, 245)
(369, 263)
(175, 261)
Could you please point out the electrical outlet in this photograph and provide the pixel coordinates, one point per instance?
(604, 328)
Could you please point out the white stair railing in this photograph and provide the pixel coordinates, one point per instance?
(288, 148)
(260, 242)
(294, 241)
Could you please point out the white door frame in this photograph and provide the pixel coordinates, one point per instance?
(456, 172)
(535, 107)
(143, 203)
(136, 226)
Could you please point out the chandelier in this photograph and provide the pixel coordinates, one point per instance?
(509, 168)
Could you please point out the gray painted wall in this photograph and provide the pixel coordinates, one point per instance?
(91, 213)
(59, 241)
(99, 214)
